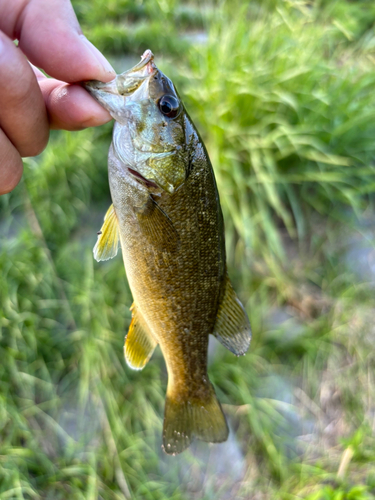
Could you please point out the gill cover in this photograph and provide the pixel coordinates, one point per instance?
(149, 134)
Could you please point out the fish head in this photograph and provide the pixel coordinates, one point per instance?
(149, 135)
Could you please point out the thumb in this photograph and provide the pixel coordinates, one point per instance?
(50, 36)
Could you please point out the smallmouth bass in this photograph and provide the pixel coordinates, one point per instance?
(166, 216)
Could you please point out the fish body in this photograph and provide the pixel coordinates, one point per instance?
(167, 218)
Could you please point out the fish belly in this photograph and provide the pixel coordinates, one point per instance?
(177, 292)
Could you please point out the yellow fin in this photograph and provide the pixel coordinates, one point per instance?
(108, 237)
(187, 419)
(157, 227)
(232, 327)
(139, 343)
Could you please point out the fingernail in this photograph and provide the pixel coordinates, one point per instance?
(99, 57)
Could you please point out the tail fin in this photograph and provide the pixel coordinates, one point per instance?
(185, 419)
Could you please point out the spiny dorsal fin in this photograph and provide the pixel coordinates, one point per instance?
(189, 418)
(108, 237)
(139, 343)
(157, 227)
(232, 327)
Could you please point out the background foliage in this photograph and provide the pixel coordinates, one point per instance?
(282, 93)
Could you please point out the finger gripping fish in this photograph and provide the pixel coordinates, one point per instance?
(167, 218)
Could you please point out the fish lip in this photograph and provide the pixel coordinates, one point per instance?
(141, 72)
(132, 79)
(93, 86)
(147, 60)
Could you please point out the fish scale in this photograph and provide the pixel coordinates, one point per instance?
(166, 215)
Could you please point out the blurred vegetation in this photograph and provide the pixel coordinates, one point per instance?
(282, 93)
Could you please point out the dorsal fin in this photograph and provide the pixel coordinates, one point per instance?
(108, 237)
(232, 327)
(157, 227)
(139, 343)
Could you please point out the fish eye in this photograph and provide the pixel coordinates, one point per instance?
(169, 106)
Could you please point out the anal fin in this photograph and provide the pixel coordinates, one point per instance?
(157, 227)
(108, 237)
(139, 343)
(232, 327)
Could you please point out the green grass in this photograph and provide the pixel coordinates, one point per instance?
(287, 112)
(282, 94)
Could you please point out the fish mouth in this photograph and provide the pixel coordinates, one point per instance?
(144, 69)
(127, 82)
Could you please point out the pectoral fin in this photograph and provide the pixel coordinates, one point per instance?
(139, 343)
(157, 227)
(232, 327)
(108, 237)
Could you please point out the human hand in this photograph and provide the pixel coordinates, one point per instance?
(30, 104)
